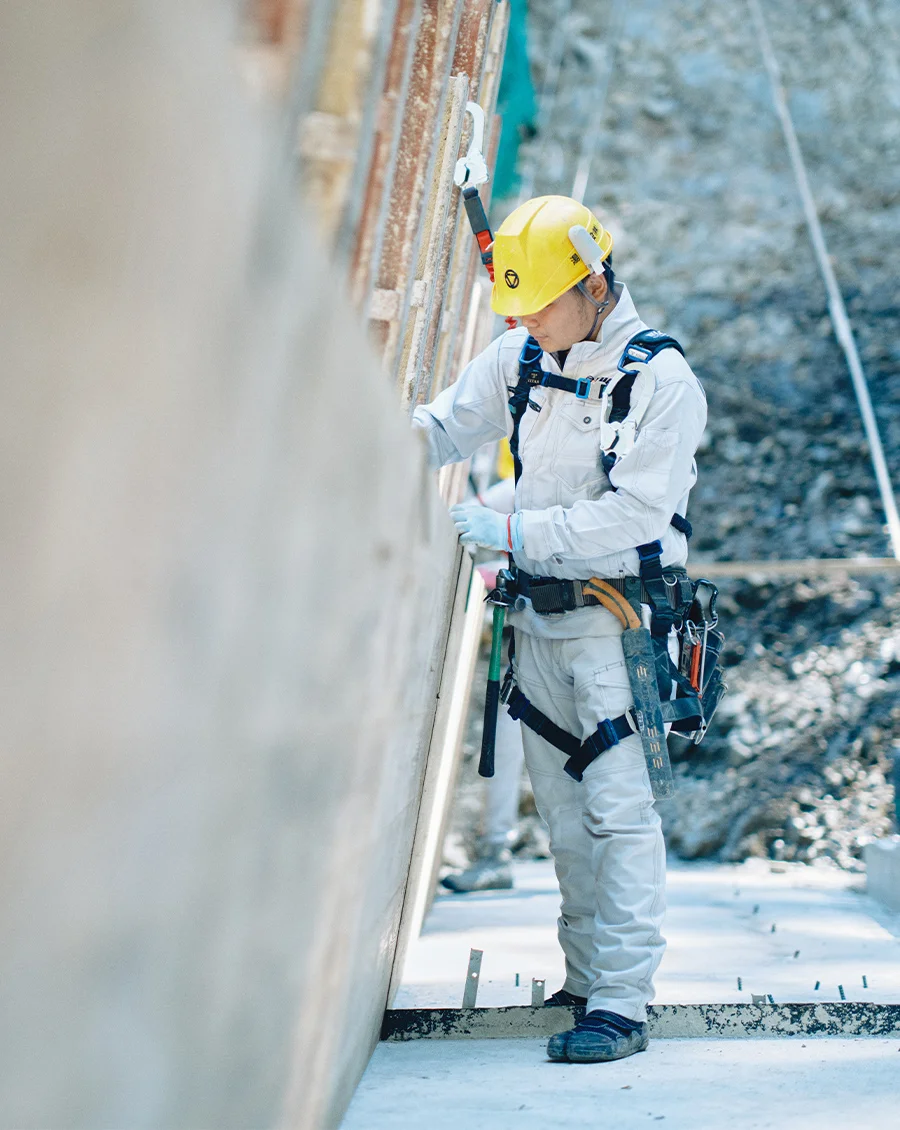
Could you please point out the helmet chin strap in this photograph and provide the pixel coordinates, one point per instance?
(599, 307)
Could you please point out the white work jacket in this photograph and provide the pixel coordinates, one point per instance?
(577, 522)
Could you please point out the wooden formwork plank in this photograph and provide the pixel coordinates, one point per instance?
(468, 60)
(454, 348)
(376, 206)
(335, 139)
(800, 569)
(414, 166)
(473, 40)
(430, 285)
(283, 47)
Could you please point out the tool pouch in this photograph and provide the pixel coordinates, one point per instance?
(700, 649)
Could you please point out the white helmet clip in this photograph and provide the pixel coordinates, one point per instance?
(587, 247)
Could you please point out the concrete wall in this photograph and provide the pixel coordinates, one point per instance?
(224, 602)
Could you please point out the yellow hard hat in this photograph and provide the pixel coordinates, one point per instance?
(535, 258)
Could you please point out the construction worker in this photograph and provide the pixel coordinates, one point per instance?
(590, 489)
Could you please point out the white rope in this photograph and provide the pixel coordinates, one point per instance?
(836, 307)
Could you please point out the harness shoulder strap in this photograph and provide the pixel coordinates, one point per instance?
(645, 345)
(529, 376)
(642, 348)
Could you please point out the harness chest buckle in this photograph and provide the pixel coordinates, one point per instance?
(583, 387)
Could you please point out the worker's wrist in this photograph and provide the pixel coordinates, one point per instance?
(515, 537)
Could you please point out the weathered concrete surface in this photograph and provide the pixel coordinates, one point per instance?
(224, 602)
(831, 1084)
(882, 859)
(669, 1021)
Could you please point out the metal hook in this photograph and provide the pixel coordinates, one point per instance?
(472, 169)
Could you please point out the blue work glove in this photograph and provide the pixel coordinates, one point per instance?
(479, 525)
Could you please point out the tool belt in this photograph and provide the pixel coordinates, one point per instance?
(551, 595)
(689, 689)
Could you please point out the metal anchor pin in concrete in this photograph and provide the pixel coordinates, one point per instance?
(472, 169)
(470, 993)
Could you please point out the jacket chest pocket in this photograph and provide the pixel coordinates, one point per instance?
(576, 455)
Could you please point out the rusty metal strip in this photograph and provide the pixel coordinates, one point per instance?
(667, 1021)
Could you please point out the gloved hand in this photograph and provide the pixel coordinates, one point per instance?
(479, 525)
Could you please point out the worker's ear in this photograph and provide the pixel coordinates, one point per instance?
(596, 286)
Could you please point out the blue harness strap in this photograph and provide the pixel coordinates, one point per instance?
(643, 347)
(683, 714)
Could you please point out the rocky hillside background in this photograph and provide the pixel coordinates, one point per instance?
(691, 174)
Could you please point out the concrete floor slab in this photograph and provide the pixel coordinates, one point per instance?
(719, 928)
(830, 1084)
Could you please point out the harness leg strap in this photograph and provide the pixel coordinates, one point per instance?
(609, 732)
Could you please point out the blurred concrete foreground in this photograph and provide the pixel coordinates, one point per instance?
(218, 549)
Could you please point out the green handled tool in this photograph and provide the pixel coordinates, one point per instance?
(492, 700)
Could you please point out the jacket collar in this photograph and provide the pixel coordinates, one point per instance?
(618, 328)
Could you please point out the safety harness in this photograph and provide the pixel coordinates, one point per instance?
(690, 689)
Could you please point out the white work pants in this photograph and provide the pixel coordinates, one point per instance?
(605, 834)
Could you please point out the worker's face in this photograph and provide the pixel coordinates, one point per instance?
(564, 322)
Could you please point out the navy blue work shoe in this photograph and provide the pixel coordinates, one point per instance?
(564, 997)
(599, 1037)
